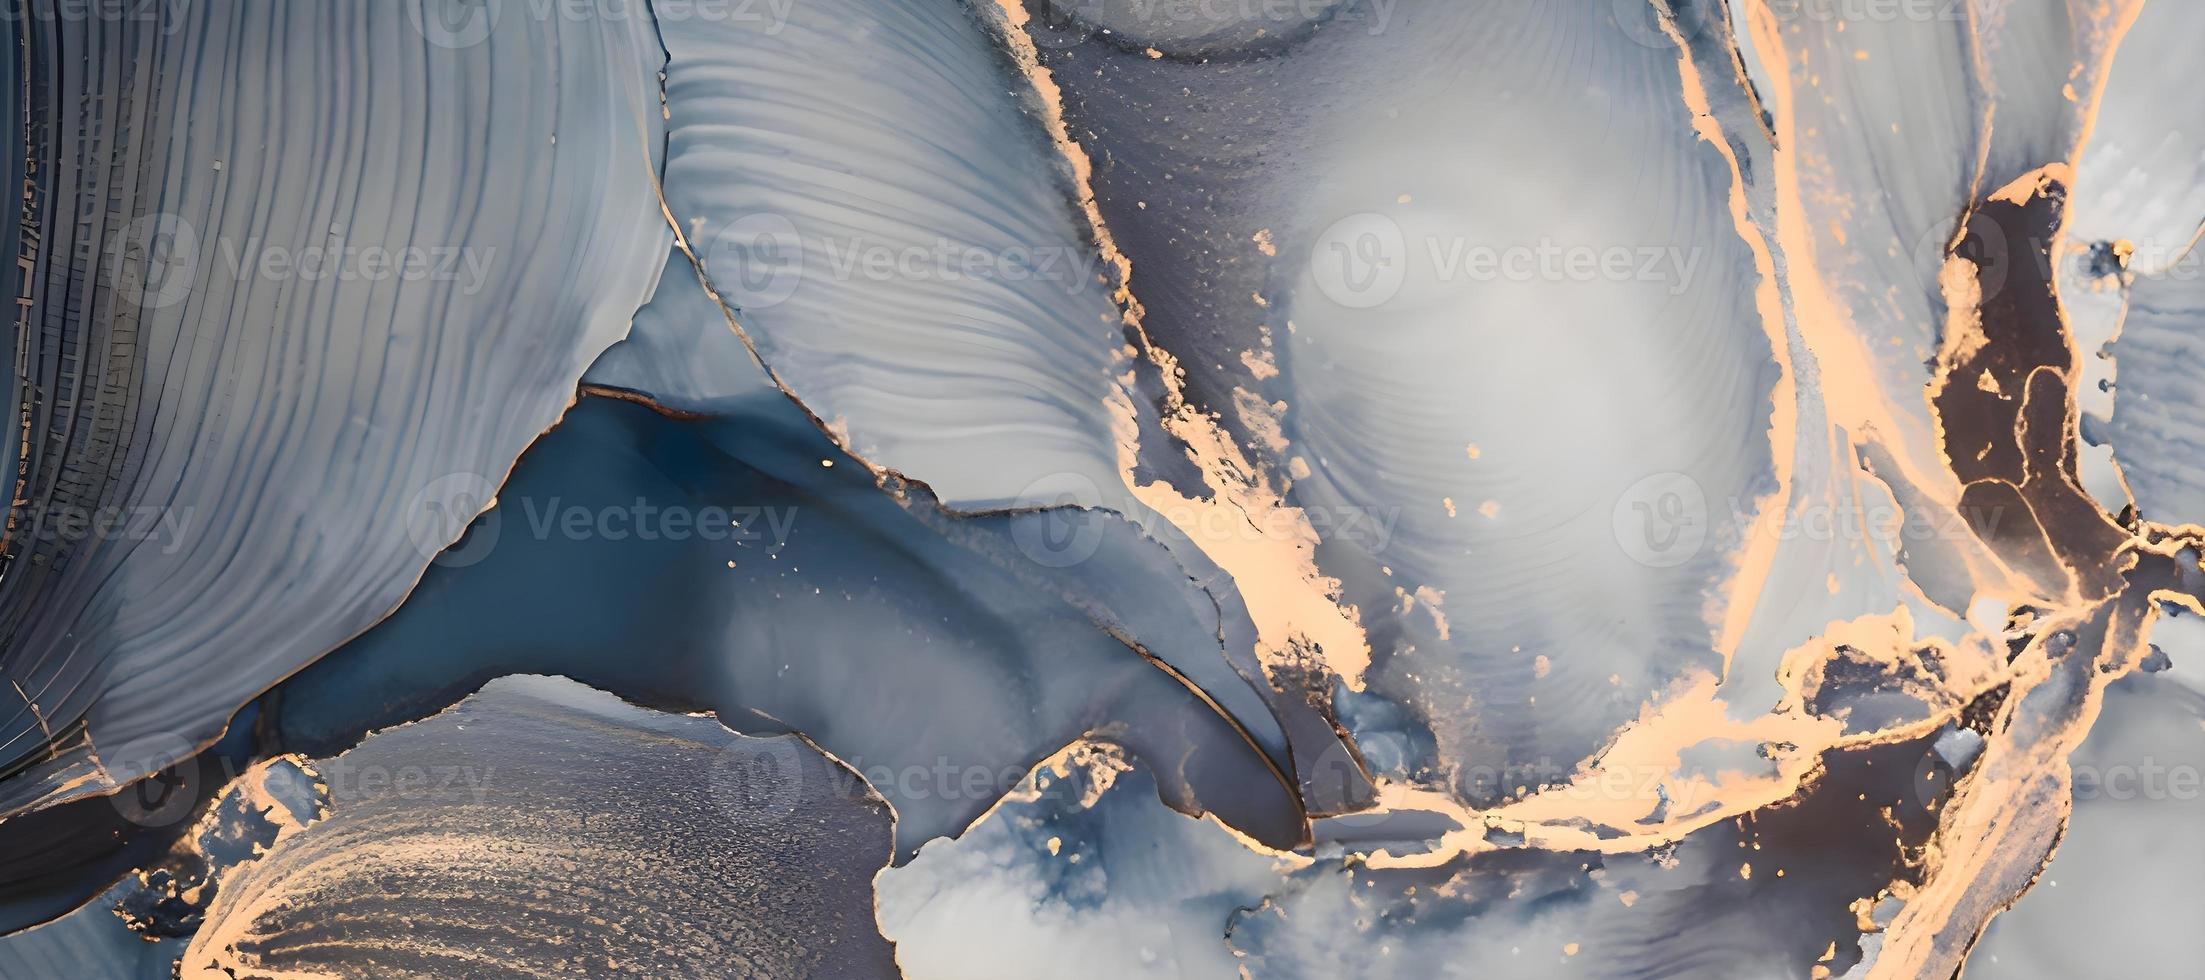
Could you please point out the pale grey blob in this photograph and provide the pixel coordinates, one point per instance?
(1080, 873)
(2157, 428)
(1192, 30)
(2132, 228)
(2133, 281)
(2127, 867)
(2141, 178)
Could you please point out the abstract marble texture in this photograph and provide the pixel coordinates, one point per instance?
(1102, 488)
